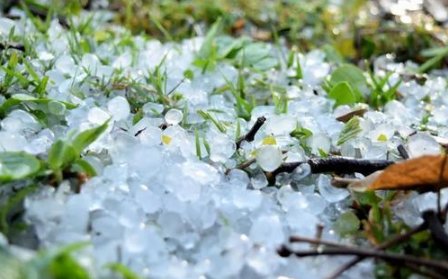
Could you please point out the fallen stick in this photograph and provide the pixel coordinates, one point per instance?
(349, 251)
(338, 164)
(250, 136)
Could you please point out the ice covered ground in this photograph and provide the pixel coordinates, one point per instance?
(162, 203)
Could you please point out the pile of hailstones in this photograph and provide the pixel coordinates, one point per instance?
(165, 213)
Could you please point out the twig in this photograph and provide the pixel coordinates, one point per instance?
(176, 86)
(403, 152)
(242, 166)
(389, 257)
(252, 132)
(395, 240)
(316, 241)
(17, 47)
(441, 181)
(346, 117)
(347, 165)
(319, 232)
(339, 165)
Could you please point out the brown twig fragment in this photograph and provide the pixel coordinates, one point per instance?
(397, 259)
(346, 117)
(7, 46)
(252, 132)
(339, 165)
(403, 152)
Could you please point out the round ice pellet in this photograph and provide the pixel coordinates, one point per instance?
(119, 108)
(173, 116)
(269, 157)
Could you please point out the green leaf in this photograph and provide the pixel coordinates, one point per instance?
(350, 130)
(84, 139)
(207, 116)
(322, 153)
(198, 144)
(84, 166)
(122, 270)
(352, 75)
(42, 87)
(12, 64)
(189, 74)
(433, 61)
(18, 99)
(299, 72)
(207, 46)
(347, 223)
(61, 154)
(59, 264)
(17, 165)
(301, 133)
(343, 94)
(64, 266)
(244, 108)
(369, 198)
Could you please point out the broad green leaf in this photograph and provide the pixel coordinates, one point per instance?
(64, 266)
(343, 94)
(17, 165)
(347, 223)
(82, 165)
(85, 138)
(257, 55)
(59, 264)
(207, 46)
(352, 75)
(301, 133)
(61, 154)
(122, 270)
(18, 99)
(350, 130)
(229, 47)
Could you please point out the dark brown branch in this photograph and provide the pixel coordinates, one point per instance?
(316, 241)
(242, 166)
(339, 165)
(347, 165)
(346, 117)
(7, 46)
(403, 152)
(389, 257)
(252, 132)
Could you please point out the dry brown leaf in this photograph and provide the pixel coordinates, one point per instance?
(422, 174)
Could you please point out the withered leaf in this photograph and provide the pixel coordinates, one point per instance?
(422, 174)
